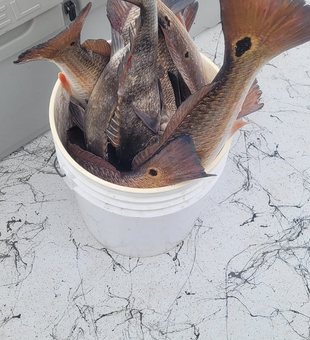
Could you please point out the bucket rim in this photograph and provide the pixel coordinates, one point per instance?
(117, 187)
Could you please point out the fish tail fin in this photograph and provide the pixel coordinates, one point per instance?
(264, 28)
(251, 103)
(188, 15)
(117, 13)
(183, 166)
(65, 39)
(177, 6)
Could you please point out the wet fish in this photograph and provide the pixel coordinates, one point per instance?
(161, 170)
(170, 79)
(182, 48)
(267, 29)
(137, 117)
(188, 15)
(122, 15)
(103, 100)
(81, 64)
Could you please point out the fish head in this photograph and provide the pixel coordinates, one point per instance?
(63, 45)
(175, 163)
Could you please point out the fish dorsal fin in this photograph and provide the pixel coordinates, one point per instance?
(117, 13)
(184, 110)
(175, 163)
(177, 6)
(251, 102)
(238, 124)
(117, 42)
(65, 39)
(98, 46)
(149, 118)
(77, 114)
(188, 15)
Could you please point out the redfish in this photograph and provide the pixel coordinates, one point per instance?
(161, 170)
(182, 48)
(81, 64)
(267, 29)
(138, 113)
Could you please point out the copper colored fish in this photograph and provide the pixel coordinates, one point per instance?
(161, 170)
(81, 64)
(267, 28)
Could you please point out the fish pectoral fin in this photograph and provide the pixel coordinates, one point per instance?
(251, 103)
(77, 114)
(98, 46)
(238, 124)
(177, 6)
(65, 82)
(150, 118)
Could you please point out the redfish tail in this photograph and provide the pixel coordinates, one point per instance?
(117, 13)
(188, 15)
(183, 166)
(65, 39)
(251, 103)
(264, 28)
(175, 6)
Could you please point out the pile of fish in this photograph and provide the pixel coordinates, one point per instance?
(143, 111)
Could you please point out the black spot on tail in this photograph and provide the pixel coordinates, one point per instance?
(242, 46)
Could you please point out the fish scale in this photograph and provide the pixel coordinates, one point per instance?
(138, 89)
(268, 28)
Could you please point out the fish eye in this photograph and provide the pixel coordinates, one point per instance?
(73, 42)
(153, 172)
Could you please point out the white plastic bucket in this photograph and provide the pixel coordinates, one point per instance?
(129, 221)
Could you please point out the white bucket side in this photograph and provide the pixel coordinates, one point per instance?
(138, 236)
